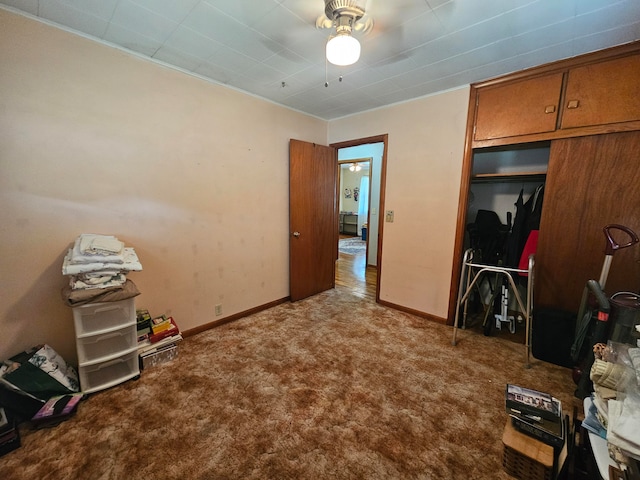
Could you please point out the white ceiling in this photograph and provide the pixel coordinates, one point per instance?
(272, 49)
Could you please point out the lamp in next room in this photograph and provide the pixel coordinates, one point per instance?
(355, 167)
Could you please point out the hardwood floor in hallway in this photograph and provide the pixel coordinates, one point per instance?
(352, 272)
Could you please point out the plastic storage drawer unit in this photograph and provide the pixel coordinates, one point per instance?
(107, 344)
(105, 316)
(101, 347)
(107, 374)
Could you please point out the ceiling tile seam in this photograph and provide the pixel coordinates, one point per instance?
(179, 22)
(466, 27)
(143, 7)
(467, 52)
(254, 30)
(612, 29)
(151, 59)
(83, 12)
(113, 12)
(471, 70)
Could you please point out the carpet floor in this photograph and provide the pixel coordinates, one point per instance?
(328, 387)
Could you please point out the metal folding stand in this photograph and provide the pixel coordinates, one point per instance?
(473, 272)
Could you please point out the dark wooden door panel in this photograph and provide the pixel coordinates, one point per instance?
(313, 239)
(591, 182)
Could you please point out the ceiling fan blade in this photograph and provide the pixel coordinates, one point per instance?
(364, 25)
(324, 22)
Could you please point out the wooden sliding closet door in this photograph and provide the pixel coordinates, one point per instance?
(591, 182)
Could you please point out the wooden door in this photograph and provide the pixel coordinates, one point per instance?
(591, 182)
(313, 221)
(519, 108)
(602, 93)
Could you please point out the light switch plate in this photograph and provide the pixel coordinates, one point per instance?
(389, 216)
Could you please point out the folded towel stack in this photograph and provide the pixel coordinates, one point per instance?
(614, 413)
(98, 262)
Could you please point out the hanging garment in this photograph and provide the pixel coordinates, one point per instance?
(534, 210)
(513, 243)
(526, 220)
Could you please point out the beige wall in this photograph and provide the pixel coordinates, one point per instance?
(424, 162)
(193, 175)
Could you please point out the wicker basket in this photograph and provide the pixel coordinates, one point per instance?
(518, 465)
(525, 457)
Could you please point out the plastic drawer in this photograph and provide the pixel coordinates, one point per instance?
(105, 316)
(107, 374)
(101, 347)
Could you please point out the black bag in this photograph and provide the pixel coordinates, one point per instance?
(552, 333)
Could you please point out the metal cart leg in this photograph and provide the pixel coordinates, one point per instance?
(468, 255)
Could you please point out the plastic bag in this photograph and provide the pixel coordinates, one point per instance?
(40, 373)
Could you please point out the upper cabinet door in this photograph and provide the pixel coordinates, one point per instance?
(520, 108)
(602, 93)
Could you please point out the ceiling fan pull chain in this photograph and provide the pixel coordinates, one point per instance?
(326, 72)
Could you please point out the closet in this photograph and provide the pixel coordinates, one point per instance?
(574, 126)
(499, 174)
(507, 182)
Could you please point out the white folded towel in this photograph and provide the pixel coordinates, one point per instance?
(130, 264)
(79, 256)
(92, 244)
(624, 424)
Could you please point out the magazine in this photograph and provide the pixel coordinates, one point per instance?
(532, 402)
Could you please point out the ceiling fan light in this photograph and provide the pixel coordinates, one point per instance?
(343, 50)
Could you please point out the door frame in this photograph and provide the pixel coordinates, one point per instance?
(384, 139)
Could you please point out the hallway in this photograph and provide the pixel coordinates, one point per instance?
(352, 272)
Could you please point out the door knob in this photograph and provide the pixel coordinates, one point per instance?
(296, 234)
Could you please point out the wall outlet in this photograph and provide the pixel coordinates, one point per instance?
(218, 309)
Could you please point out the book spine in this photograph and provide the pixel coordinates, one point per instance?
(545, 437)
(155, 338)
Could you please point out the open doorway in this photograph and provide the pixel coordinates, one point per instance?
(354, 187)
(361, 168)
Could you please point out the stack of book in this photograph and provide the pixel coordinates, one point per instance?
(538, 414)
(158, 339)
(9, 435)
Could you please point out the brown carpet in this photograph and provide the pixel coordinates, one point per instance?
(329, 387)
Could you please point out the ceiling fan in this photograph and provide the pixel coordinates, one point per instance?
(346, 16)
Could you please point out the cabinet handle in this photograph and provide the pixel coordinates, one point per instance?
(573, 104)
(549, 109)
